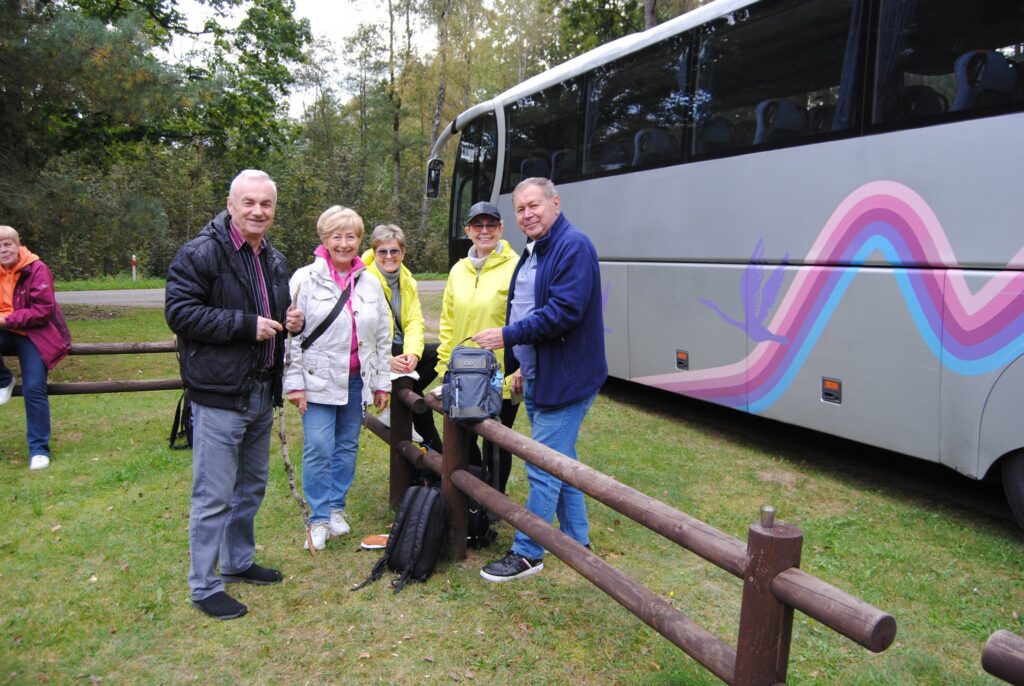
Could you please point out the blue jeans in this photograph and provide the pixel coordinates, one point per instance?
(33, 388)
(331, 441)
(230, 459)
(558, 429)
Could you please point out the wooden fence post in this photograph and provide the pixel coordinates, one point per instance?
(401, 430)
(766, 623)
(455, 455)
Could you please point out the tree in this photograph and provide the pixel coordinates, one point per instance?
(72, 83)
(86, 107)
(253, 64)
(585, 24)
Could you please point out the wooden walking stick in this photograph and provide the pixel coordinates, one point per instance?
(288, 469)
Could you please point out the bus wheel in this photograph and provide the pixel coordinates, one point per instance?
(1013, 484)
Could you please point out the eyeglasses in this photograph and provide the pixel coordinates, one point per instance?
(385, 252)
(484, 226)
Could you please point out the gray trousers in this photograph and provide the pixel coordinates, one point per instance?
(230, 458)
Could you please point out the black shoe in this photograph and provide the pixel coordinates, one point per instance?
(220, 606)
(512, 566)
(259, 576)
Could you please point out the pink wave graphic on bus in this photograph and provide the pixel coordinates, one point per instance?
(969, 332)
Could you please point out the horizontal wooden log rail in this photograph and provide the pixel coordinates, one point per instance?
(768, 563)
(85, 387)
(170, 346)
(1003, 657)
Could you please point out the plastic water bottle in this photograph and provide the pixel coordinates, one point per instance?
(497, 379)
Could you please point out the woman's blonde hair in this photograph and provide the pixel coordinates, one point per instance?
(338, 218)
(8, 233)
(388, 232)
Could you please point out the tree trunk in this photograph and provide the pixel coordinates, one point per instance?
(442, 86)
(396, 111)
(650, 17)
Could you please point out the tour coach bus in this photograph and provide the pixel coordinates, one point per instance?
(811, 210)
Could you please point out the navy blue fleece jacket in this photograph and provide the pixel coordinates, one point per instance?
(566, 327)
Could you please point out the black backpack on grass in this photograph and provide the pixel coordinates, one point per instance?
(479, 533)
(416, 540)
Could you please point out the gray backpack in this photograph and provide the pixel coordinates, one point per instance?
(472, 385)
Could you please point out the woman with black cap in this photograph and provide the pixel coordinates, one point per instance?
(475, 298)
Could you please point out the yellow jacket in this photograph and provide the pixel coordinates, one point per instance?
(474, 302)
(412, 313)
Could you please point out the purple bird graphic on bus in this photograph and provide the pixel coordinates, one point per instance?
(759, 291)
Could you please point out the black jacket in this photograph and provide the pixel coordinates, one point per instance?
(209, 306)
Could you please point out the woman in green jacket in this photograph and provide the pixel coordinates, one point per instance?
(408, 349)
(475, 299)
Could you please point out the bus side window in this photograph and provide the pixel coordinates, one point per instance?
(635, 107)
(538, 125)
(942, 58)
(759, 71)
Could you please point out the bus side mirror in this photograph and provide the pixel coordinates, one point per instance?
(434, 168)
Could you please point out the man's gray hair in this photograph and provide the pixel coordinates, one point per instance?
(254, 174)
(545, 185)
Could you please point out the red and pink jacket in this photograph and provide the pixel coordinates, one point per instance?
(37, 315)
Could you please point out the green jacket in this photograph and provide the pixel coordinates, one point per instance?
(412, 313)
(475, 301)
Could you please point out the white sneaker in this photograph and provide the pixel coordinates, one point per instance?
(339, 527)
(39, 462)
(319, 532)
(5, 394)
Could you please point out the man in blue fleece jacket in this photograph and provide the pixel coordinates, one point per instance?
(554, 341)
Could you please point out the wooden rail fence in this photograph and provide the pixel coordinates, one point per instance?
(768, 564)
(81, 387)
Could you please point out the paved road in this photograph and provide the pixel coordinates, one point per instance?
(136, 297)
(154, 297)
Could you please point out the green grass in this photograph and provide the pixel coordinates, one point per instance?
(94, 555)
(109, 283)
(431, 276)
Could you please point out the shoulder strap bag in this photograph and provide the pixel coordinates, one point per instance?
(331, 316)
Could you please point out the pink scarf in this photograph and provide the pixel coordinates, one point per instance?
(343, 280)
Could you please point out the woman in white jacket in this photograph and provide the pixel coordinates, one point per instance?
(333, 376)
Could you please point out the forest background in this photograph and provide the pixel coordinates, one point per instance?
(112, 146)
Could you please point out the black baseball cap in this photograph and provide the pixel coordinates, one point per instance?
(483, 208)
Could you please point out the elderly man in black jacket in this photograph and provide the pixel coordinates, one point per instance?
(227, 296)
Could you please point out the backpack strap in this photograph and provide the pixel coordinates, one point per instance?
(376, 573)
(178, 416)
